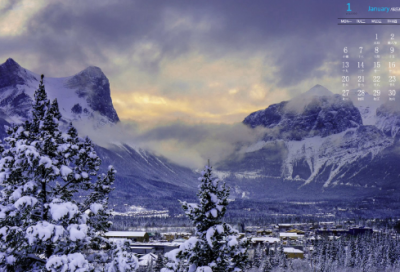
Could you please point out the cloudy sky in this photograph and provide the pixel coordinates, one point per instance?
(197, 61)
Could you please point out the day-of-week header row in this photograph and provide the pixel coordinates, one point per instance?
(369, 21)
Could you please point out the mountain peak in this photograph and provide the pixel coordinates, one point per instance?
(10, 61)
(316, 112)
(318, 90)
(92, 72)
(12, 74)
(10, 65)
(93, 85)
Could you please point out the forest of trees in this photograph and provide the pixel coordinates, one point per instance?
(374, 253)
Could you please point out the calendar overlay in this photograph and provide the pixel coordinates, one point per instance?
(371, 69)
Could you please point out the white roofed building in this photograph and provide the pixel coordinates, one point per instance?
(290, 235)
(135, 236)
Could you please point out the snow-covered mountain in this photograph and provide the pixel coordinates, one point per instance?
(85, 95)
(318, 143)
(142, 176)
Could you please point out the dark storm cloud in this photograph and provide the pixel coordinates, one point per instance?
(299, 33)
(72, 29)
(8, 5)
(65, 30)
(296, 42)
(303, 35)
(68, 30)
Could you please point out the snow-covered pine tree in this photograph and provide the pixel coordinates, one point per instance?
(322, 256)
(290, 265)
(97, 204)
(351, 253)
(159, 263)
(257, 256)
(267, 264)
(275, 256)
(122, 260)
(43, 225)
(216, 246)
(341, 254)
(282, 258)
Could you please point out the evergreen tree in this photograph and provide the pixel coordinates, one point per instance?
(351, 254)
(122, 260)
(267, 264)
(275, 256)
(159, 263)
(341, 254)
(323, 256)
(371, 262)
(216, 244)
(282, 258)
(44, 174)
(97, 204)
(257, 256)
(290, 265)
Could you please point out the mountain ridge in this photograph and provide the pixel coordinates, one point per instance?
(322, 115)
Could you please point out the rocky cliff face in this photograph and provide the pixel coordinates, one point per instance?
(93, 85)
(85, 95)
(320, 116)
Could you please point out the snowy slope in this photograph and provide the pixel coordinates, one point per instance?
(383, 114)
(335, 152)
